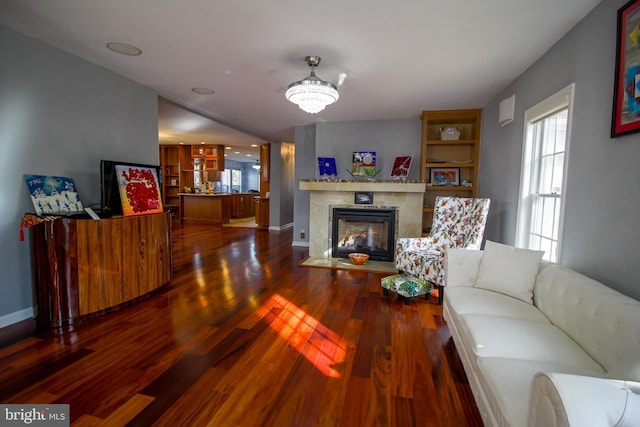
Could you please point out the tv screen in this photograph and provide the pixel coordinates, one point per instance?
(109, 191)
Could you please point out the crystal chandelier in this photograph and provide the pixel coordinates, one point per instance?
(312, 94)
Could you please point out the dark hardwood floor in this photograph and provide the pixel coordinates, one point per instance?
(244, 337)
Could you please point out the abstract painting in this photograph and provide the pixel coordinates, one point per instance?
(139, 190)
(53, 194)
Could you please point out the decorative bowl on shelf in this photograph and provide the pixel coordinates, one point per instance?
(358, 258)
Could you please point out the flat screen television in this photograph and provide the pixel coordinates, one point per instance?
(109, 191)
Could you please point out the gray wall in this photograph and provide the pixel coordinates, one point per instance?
(305, 160)
(602, 197)
(388, 138)
(59, 115)
(281, 185)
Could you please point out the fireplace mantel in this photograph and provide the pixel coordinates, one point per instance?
(407, 196)
(375, 186)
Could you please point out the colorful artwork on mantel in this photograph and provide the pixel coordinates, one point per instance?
(327, 166)
(364, 163)
(401, 166)
(139, 190)
(53, 194)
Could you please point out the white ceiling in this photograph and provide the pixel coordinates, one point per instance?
(400, 56)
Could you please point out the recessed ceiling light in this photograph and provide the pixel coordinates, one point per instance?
(237, 152)
(227, 148)
(202, 91)
(254, 145)
(182, 143)
(124, 48)
(248, 155)
(202, 142)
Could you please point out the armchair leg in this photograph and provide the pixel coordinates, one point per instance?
(440, 294)
(407, 301)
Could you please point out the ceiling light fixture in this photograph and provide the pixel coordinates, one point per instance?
(257, 165)
(124, 49)
(202, 91)
(312, 94)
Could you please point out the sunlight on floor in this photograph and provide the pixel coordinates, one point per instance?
(317, 343)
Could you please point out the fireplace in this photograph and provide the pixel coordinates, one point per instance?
(368, 230)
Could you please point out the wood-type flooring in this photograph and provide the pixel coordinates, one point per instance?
(244, 337)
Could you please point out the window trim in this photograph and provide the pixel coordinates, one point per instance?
(552, 104)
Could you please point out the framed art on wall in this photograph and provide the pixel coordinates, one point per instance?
(445, 176)
(626, 92)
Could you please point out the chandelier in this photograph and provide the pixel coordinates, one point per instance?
(312, 94)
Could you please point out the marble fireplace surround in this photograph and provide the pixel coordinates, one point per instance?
(407, 197)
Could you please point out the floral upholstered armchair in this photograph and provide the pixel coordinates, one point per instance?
(458, 222)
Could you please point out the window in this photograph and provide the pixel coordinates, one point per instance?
(544, 162)
(231, 180)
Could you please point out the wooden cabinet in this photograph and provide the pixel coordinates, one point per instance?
(170, 162)
(243, 205)
(211, 156)
(265, 157)
(262, 212)
(450, 156)
(84, 268)
(205, 208)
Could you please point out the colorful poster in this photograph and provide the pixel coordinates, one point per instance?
(364, 163)
(401, 166)
(327, 166)
(139, 190)
(53, 194)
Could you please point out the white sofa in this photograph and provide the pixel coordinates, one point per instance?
(557, 348)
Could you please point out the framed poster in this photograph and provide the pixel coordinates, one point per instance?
(327, 166)
(139, 190)
(53, 194)
(445, 176)
(401, 166)
(363, 163)
(626, 91)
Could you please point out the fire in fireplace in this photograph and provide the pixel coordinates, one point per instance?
(368, 230)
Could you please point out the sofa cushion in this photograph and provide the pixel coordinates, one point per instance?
(495, 336)
(461, 267)
(507, 385)
(463, 300)
(508, 270)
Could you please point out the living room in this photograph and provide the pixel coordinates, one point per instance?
(62, 114)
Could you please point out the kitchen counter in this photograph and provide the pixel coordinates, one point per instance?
(205, 208)
(204, 194)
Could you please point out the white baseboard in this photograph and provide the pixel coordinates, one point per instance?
(281, 227)
(300, 243)
(18, 316)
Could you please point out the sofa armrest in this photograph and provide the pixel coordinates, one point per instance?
(462, 266)
(576, 400)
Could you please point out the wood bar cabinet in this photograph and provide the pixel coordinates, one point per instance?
(86, 268)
